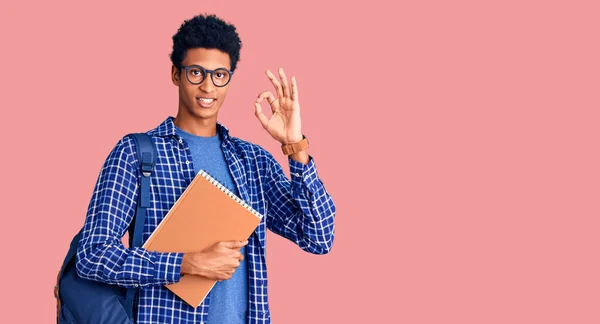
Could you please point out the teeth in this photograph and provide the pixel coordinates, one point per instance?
(206, 100)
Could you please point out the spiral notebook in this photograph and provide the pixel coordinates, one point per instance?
(206, 213)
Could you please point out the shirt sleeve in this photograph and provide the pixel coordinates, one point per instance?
(101, 256)
(300, 209)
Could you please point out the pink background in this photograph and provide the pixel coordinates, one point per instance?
(459, 140)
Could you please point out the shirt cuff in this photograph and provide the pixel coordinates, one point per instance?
(167, 267)
(304, 175)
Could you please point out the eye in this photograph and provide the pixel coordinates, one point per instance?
(195, 72)
(220, 75)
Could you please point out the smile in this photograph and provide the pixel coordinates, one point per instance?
(205, 102)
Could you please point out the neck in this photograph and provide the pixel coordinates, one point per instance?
(195, 125)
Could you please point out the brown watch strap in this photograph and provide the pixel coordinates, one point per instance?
(289, 149)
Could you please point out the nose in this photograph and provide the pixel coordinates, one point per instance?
(207, 84)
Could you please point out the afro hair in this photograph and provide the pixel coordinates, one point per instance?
(206, 31)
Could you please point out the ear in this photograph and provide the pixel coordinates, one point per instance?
(175, 74)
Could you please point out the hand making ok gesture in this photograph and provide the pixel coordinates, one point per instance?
(284, 124)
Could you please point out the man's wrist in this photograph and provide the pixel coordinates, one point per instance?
(185, 263)
(190, 262)
(293, 139)
(295, 147)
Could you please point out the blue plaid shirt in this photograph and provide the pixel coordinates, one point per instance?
(300, 210)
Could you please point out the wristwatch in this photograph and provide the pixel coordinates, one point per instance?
(289, 149)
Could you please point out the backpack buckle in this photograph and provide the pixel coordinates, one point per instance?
(146, 164)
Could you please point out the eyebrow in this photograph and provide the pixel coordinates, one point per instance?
(221, 67)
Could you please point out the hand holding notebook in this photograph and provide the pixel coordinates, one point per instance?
(218, 262)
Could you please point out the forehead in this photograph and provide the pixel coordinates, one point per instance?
(208, 58)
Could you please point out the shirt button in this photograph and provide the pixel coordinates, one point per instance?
(180, 141)
(187, 162)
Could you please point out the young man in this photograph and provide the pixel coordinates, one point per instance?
(205, 54)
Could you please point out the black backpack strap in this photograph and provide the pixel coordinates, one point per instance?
(146, 153)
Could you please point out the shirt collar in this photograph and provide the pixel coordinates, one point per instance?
(167, 128)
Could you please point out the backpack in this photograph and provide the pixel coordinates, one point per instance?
(84, 301)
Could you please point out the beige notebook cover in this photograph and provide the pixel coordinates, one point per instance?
(205, 214)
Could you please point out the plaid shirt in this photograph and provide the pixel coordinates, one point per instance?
(300, 210)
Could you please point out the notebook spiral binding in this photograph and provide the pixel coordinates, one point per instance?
(221, 187)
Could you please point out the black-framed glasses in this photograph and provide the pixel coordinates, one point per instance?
(196, 74)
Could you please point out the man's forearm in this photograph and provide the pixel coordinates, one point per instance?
(115, 264)
(303, 210)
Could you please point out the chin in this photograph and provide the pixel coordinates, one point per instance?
(204, 113)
